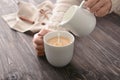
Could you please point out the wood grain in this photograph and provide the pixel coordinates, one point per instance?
(96, 57)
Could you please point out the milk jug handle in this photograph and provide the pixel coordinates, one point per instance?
(82, 4)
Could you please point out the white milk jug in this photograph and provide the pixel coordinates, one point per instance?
(79, 20)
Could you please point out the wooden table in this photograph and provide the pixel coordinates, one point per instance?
(96, 57)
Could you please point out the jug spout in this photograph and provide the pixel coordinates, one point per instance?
(62, 24)
(65, 25)
(68, 27)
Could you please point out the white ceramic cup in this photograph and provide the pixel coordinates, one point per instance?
(79, 20)
(59, 56)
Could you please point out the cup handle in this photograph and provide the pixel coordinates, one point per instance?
(82, 3)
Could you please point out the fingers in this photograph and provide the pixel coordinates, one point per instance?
(38, 39)
(40, 53)
(102, 11)
(38, 42)
(43, 32)
(39, 48)
(97, 6)
(90, 3)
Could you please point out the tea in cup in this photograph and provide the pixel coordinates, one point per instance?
(59, 41)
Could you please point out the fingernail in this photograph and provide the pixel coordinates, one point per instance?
(85, 6)
(88, 8)
(96, 14)
(39, 34)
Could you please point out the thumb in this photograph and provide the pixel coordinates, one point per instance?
(43, 32)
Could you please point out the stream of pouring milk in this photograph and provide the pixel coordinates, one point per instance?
(58, 35)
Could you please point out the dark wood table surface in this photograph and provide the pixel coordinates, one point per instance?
(96, 57)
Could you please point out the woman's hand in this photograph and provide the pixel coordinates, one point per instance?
(38, 42)
(99, 7)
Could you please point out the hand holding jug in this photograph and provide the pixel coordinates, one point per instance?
(79, 20)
